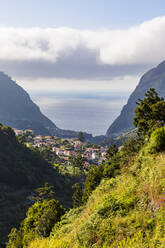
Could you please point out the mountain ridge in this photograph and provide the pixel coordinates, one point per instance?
(154, 78)
(17, 110)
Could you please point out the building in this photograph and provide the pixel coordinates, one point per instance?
(29, 131)
(17, 131)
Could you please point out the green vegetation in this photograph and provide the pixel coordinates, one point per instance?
(78, 162)
(109, 169)
(149, 113)
(40, 219)
(77, 196)
(111, 151)
(121, 204)
(22, 170)
(125, 211)
(19, 165)
(47, 154)
(81, 137)
(157, 140)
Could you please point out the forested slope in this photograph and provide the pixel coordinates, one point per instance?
(21, 172)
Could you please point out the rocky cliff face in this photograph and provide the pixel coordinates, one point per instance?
(155, 78)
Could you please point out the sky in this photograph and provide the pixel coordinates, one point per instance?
(80, 60)
(90, 14)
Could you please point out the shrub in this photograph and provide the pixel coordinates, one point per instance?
(111, 151)
(110, 207)
(157, 140)
(130, 148)
(92, 181)
(77, 196)
(40, 220)
(108, 170)
(112, 167)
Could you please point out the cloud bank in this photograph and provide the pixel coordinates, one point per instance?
(71, 53)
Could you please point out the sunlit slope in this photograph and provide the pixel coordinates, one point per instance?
(126, 211)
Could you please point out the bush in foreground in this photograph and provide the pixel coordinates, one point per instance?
(157, 140)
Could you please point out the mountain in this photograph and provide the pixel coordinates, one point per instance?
(17, 110)
(154, 78)
(22, 171)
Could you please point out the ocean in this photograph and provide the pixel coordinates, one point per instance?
(91, 113)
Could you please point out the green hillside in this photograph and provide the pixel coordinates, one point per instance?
(122, 203)
(21, 172)
(126, 211)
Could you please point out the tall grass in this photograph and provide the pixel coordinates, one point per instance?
(124, 212)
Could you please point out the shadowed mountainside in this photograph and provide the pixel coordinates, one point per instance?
(17, 110)
(155, 78)
(22, 170)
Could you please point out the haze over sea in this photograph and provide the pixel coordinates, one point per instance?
(81, 106)
(92, 114)
(86, 113)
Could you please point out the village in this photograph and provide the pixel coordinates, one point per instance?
(63, 150)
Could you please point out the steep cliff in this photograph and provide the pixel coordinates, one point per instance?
(155, 78)
(18, 110)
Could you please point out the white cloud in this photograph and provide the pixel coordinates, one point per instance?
(142, 44)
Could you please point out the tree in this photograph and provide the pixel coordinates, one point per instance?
(150, 111)
(111, 151)
(78, 162)
(77, 195)
(92, 181)
(22, 138)
(39, 221)
(46, 192)
(81, 137)
(112, 167)
(15, 239)
(130, 148)
(47, 154)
